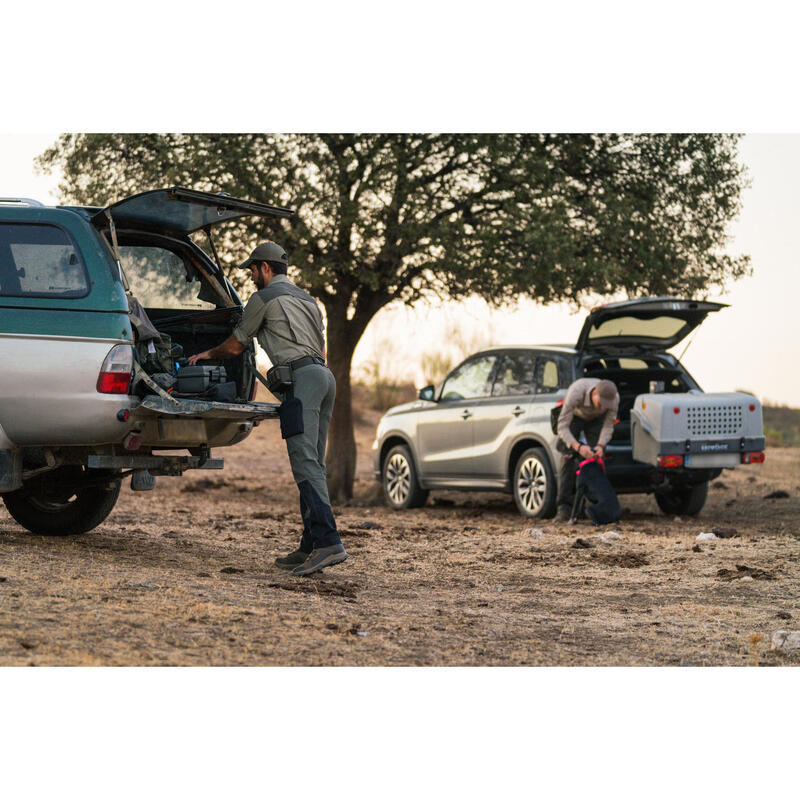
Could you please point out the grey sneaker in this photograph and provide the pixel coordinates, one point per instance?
(292, 560)
(320, 558)
(564, 514)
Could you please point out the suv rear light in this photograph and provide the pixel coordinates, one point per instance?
(670, 461)
(753, 458)
(115, 374)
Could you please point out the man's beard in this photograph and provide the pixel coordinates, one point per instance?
(260, 281)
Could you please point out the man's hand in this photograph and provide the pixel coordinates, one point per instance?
(585, 451)
(598, 451)
(204, 356)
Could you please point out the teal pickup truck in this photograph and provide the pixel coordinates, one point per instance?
(79, 410)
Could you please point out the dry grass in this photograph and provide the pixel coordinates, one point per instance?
(184, 575)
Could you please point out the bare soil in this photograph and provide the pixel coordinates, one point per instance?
(183, 575)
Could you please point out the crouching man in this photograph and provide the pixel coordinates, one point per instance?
(289, 326)
(590, 408)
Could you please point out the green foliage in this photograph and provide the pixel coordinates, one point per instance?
(781, 426)
(384, 216)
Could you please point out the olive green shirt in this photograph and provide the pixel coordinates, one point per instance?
(286, 321)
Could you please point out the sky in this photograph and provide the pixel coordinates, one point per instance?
(752, 345)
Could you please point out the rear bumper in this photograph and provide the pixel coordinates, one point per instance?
(628, 476)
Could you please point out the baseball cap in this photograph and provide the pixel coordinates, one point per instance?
(266, 251)
(607, 394)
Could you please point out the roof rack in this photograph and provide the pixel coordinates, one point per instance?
(23, 201)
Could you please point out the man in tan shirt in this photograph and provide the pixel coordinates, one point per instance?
(590, 408)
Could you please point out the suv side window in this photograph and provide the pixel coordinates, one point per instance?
(40, 261)
(473, 378)
(517, 375)
(552, 374)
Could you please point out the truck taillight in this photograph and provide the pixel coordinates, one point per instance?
(115, 374)
(753, 458)
(670, 461)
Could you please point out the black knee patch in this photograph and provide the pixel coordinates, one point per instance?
(317, 516)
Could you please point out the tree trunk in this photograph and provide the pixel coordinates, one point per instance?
(343, 336)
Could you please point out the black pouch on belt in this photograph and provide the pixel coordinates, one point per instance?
(279, 378)
(290, 413)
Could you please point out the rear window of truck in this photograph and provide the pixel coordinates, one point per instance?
(39, 260)
(161, 278)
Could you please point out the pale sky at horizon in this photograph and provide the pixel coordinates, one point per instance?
(752, 345)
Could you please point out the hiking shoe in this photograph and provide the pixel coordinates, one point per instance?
(320, 558)
(564, 514)
(292, 560)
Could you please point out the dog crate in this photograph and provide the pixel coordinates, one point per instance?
(697, 430)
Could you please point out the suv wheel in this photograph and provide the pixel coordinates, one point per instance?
(686, 500)
(399, 478)
(534, 484)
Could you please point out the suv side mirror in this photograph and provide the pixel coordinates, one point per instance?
(427, 393)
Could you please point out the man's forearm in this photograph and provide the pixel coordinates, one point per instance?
(564, 420)
(229, 348)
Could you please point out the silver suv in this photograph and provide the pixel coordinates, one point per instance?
(487, 426)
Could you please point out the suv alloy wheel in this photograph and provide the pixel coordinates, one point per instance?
(399, 480)
(534, 484)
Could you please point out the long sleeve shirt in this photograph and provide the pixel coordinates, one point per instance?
(286, 321)
(578, 402)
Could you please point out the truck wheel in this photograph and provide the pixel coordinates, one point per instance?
(534, 485)
(686, 500)
(399, 478)
(49, 508)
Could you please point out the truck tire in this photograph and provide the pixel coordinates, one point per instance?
(47, 510)
(534, 485)
(685, 500)
(399, 478)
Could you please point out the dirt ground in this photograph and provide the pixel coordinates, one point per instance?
(183, 575)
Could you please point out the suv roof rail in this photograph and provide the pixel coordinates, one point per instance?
(23, 201)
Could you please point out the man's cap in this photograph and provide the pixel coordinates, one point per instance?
(266, 251)
(607, 394)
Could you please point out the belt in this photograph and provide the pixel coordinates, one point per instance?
(305, 361)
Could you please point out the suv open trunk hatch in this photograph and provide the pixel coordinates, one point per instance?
(646, 325)
(179, 210)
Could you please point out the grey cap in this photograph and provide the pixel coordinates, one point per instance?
(607, 393)
(266, 251)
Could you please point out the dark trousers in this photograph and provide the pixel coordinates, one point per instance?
(591, 429)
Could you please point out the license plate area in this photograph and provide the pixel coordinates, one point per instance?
(185, 431)
(706, 460)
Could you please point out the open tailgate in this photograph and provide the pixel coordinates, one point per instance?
(156, 406)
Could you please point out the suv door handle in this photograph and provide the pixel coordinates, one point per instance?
(467, 414)
(517, 411)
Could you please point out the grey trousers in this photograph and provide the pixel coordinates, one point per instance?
(315, 387)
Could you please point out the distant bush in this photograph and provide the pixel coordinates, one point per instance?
(782, 426)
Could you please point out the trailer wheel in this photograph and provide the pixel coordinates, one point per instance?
(56, 504)
(686, 500)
